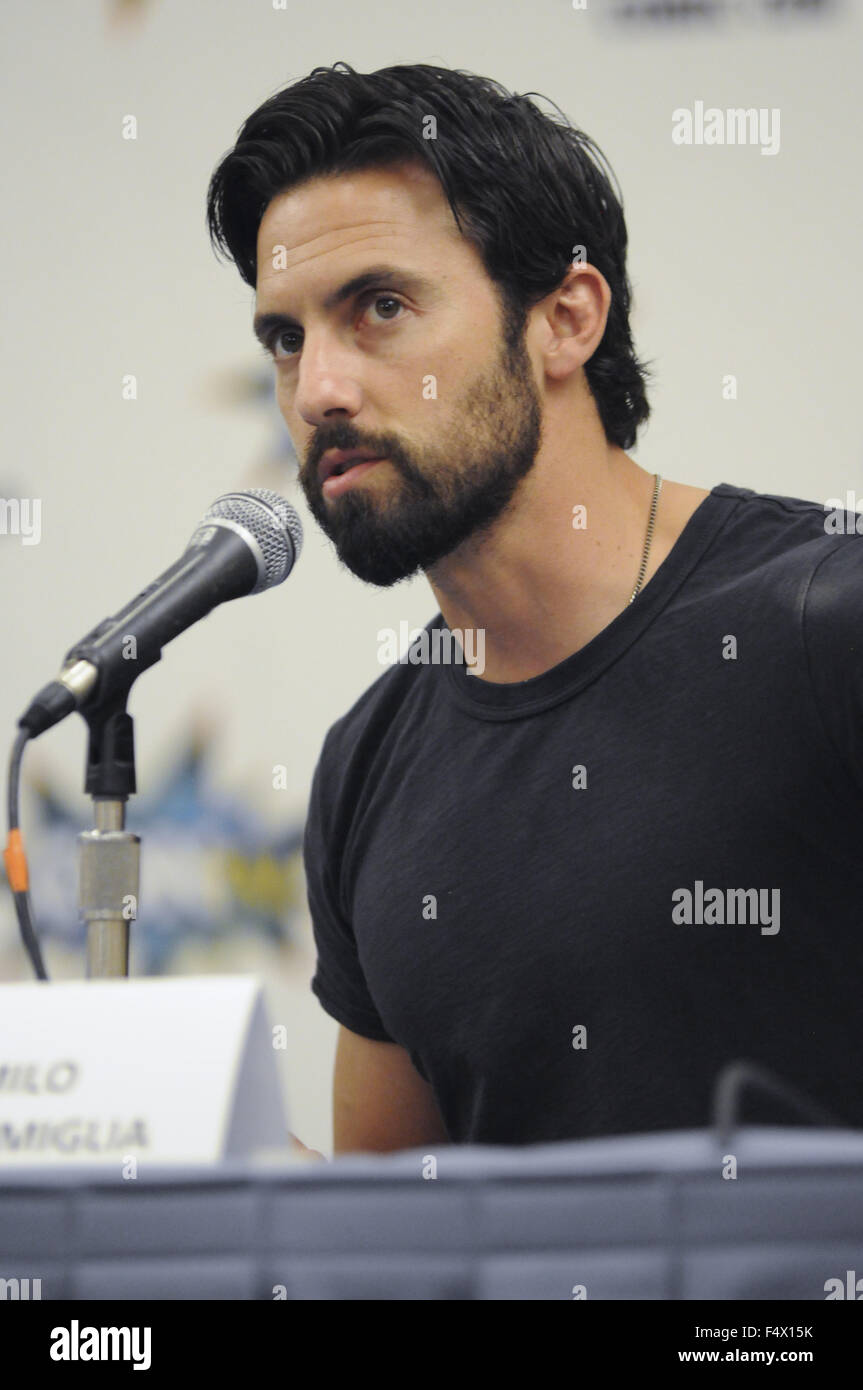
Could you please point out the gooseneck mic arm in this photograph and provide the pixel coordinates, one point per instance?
(247, 542)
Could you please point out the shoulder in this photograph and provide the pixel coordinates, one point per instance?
(809, 559)
(791, 539)
(777, 514)
(833, 611)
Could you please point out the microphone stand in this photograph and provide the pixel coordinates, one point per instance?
(109, 855)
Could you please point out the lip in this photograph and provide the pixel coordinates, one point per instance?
(337, 483)
(334, 457)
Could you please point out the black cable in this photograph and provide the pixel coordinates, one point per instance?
(737, 1077)
(15, 776)
(21, 898)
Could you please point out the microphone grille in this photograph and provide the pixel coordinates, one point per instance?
(272, 522)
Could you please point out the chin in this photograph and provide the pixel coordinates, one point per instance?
(381, 578)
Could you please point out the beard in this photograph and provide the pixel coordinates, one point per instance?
(444, 492)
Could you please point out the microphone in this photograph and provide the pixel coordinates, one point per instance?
(246, 542)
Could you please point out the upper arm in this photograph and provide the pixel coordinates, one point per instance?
(380, 1101)
(831, 628)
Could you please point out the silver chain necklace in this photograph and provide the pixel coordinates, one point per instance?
(650, 522)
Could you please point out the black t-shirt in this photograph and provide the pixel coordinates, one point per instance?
(533, 887)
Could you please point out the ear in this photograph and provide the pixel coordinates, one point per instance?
(569, 322)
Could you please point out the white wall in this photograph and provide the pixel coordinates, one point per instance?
(742, 263)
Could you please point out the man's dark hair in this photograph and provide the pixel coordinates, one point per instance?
(523, 186)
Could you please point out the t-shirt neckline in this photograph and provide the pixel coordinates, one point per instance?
(494, 700)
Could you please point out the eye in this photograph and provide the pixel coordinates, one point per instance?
(376, 297)
(290, 339)
(277, 340)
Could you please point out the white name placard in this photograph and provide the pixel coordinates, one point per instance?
(127, 1072)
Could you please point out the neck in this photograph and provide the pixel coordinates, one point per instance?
(537, 585)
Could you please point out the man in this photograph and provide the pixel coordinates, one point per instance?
(555, 895)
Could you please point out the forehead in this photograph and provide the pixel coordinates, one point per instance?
(331, 220)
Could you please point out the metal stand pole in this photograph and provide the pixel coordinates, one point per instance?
(109, 859)
(109, 855)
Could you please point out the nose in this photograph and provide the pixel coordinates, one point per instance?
(325, 381)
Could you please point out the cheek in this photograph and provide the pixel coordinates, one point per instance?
(285, 402)
(297, 427)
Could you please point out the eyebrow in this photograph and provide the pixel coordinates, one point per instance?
(264, 324)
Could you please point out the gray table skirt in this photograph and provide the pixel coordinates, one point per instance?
(641, 1217)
